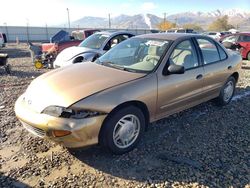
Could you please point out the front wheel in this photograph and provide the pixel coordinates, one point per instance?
(122, 131)
(227, 92)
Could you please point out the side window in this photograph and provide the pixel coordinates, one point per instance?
(244, 38)
(115, 40)
(184, 54)
(209, 51)
(222, 53)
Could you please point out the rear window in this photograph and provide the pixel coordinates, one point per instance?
(209, 51)
(222, 53)
(170, 31)
(181, 31)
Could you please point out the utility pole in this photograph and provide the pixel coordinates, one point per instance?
(7, 32)
(47, 33)
(109, 22)
(176, 19)
(28, 37)
(68, 18)
(164, 20)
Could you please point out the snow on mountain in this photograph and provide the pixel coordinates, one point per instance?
(229, 13)
(150, 21)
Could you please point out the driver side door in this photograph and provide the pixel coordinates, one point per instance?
(177, 92)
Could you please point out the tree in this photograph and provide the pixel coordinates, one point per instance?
(194, 26)
(163, 26)
(221, 24)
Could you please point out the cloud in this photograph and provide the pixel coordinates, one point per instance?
(148, 6)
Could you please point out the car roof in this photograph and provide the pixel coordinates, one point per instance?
(244, 33)
(241, 33)
(113, 33)
(168, 36)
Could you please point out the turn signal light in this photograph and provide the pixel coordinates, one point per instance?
(60, 133)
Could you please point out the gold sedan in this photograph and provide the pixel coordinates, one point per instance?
(111, 101)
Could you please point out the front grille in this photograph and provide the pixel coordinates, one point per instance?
(34, 130)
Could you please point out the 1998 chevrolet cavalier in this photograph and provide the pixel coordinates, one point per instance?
(143, 79)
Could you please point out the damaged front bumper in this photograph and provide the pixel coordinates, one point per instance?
(83, 132)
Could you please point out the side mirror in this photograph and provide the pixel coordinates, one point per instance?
(173, 69)
(96, 56)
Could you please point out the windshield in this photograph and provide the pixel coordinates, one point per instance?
(135, 54)
(95, 41)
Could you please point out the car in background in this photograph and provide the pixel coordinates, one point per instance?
(44, 55)
(143, 79)
(226, 33)
(83, 34)
(91, 48)
(59, 42)
(238, 40)
(215, 35)
(180, 30)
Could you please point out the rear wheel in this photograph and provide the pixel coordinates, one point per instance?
(248, 56)
(227, 92)
(123, 130)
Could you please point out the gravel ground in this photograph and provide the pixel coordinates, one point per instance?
(205, 146)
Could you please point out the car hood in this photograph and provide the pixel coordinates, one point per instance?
(71, 52)
(65, 86)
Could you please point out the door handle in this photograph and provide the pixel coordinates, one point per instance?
(229, 67)
(199, 77)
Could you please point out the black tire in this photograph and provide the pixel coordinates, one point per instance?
(8, 69)
(248, 56)
(110, 125)
(223, 100)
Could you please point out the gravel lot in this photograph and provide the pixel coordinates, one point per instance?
(205, 146)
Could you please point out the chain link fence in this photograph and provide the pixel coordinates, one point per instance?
(42, 34)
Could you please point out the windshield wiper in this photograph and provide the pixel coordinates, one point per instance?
(110, 64)
(113, 65)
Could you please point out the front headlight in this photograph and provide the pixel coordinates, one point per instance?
(58, 111)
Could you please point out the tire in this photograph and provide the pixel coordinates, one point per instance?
(227, 92)
(248, 56)
(122, 130)
(8, 69)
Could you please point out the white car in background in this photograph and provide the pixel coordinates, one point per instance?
(91, 48)
(214, 35)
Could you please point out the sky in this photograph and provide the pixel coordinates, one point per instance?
(54, 12)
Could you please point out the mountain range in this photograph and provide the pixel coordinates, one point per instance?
(237, 17)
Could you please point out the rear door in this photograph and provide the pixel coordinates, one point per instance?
(216, 66)
(180, 91)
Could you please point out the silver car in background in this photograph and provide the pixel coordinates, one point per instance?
(91, 48)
